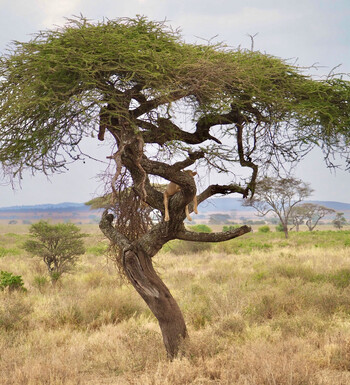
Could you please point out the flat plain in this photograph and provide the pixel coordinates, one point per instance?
(260, 310)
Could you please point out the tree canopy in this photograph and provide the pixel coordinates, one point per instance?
(58, 87)
(59, 246)
(310, 212)
(163, 105)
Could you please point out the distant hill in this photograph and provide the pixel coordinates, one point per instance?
(79, 212)
(61, 212)
(338, 206)
(47, 207)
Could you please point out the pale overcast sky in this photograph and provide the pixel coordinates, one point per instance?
(312, 31)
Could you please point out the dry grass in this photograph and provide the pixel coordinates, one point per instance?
(264, 315)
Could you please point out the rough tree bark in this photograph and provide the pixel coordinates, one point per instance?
(138, 267)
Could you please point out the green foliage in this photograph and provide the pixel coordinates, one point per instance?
(201, 229)
(53, 87)
(11, 282)
(98, 249)
(264, 229)
(339, 221)
(251, 222)
(230, 227)
(57, 245)
(3, 252)
(8, 251)
(279, 228)
(275, 240)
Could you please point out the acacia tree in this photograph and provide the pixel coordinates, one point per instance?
(59, 246)
(310, 212)
(339, 221)
(279, 196)
(297, 217)
(131, 80)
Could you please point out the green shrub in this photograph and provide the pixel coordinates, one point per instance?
(264, 229)
(98, 249)
(230, 227)
(279, 228)
(10, 281)
(201, 229)
(59, 246)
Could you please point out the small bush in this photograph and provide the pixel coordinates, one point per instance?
(264, 229)
(201, 229)
(279, 228)
(230, 227)
(10, 281)
(97, 250)
(59, 246)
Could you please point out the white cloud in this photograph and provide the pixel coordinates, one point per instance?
(54, 11)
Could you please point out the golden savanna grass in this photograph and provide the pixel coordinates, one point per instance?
(260, 310)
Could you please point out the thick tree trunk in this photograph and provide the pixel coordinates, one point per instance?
(139, 270)
(137, 264)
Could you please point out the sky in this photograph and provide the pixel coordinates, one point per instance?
(309, 31)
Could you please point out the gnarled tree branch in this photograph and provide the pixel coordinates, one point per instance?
(186, 235)
(110, 232)
(220, 189)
